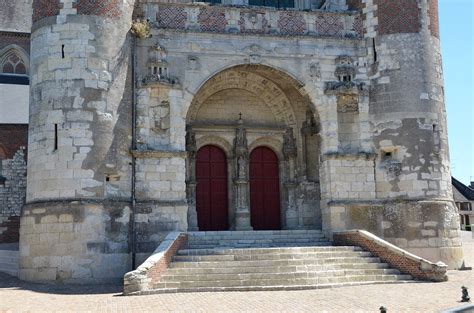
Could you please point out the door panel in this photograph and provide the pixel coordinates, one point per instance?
(264, 189)
(211, 189)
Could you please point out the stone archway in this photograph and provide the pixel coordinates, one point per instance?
(253, 106)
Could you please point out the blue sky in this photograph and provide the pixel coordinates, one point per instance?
(456, 23)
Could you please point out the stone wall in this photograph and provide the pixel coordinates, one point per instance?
(75, 226)
(12, 195)
(82, 242)
(15, 16)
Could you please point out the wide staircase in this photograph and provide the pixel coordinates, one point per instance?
(270, 260)
(9, 259)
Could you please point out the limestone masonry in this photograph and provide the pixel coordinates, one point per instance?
(240, 115)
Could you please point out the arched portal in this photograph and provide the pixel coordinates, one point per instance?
(246, 108)
(211, 189)
(264, 189)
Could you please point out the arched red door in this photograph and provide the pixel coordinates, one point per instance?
(211, 189)
(264, 189)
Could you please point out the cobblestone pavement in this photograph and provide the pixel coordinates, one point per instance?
(17, 296)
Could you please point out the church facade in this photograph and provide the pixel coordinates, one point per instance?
(231, 116)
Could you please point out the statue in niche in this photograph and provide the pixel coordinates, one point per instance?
(289, 144)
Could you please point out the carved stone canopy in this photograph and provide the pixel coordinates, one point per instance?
(310, 127)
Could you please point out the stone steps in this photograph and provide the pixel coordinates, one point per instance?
(9, 262)
(276, 275)
(293, 262)
(268, 256)
(275, 250)
(275, 269)
(252, 239)
(271, 282)
(270, 260)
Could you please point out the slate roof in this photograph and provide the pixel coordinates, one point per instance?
(466, 191)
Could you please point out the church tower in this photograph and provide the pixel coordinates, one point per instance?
(408, 116)
(74, 225)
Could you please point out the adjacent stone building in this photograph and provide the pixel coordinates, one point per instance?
(464, 199)
(240, 115)
(15, 25)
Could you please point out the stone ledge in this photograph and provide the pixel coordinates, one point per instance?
(146, 275)
(152, 154)
(349, 156)
(405, 261)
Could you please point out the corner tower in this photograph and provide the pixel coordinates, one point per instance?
(75, 223)
(414, 207)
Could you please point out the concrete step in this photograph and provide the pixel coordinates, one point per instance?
(283, 282)
(292, 262)
(276, 275)
(271, 256)
(275, 269)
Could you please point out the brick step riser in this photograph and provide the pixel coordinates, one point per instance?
(275, 276)
(266, 257)
(322, 261)
(282, 282)
(257, 251)
(276, 269)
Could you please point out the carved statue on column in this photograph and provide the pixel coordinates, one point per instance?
(191, 179)
(241, 152)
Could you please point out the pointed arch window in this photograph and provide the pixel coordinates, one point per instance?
(12, 63)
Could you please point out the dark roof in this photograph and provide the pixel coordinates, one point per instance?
(463, 189)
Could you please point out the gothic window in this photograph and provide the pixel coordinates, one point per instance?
(12, 62)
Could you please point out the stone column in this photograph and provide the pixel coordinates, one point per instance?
(191, 180)
(290, 153)
(242, 208)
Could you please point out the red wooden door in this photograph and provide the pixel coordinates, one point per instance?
(264, 189)
(211, 189)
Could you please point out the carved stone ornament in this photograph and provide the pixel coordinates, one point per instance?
(393, 168)
(241, 150)
(193, 63)
(315, 72)
(289, 144)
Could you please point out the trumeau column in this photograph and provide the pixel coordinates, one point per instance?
(290, 153)
(191, 179)
(242, 209)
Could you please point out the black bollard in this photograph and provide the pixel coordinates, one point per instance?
(383, 309)
(465, 295)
